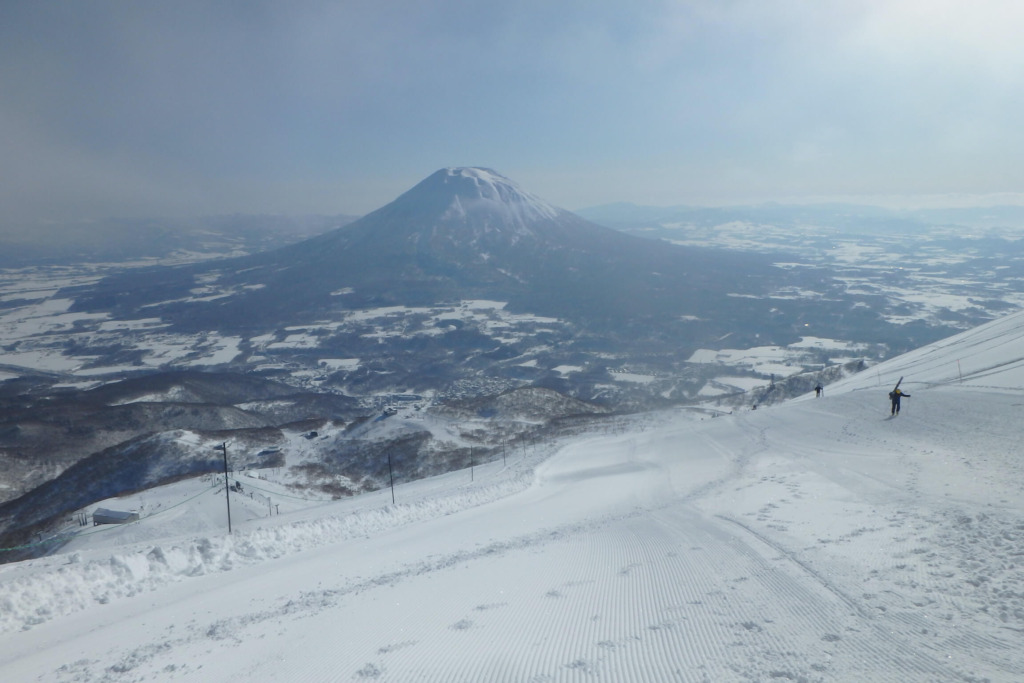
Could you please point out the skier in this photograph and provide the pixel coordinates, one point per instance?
(894, 398)
(817, 390)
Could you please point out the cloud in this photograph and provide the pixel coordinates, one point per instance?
(115, 108)
(977, 38)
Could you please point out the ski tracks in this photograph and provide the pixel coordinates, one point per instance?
(683, 598)
(632, 600)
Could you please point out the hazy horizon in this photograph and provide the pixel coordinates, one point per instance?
(121, 109)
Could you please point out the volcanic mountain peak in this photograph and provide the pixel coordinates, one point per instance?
(484, 185)
(477, 196)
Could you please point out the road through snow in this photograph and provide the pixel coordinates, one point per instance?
(815, 541)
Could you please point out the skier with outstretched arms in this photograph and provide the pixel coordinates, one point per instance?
(894, 398)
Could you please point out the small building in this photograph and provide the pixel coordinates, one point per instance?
(105, 516)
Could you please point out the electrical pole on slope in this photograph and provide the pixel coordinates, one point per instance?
(227, 496)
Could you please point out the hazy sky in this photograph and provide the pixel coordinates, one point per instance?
(157, 108)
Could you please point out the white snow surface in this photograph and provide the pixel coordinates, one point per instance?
(817, 540)
(488, 200)
(499, 195)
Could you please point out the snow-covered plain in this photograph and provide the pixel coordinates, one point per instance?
(817, 540)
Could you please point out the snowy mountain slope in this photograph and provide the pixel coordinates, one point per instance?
(988, 358)
(319, 456)
(815, 540)
(474, 199)
(47, 431)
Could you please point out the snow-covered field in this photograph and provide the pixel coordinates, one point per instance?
(818, 540)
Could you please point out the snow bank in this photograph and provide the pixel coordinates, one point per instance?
(41, 595)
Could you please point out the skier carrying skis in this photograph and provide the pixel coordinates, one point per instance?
(894, 398)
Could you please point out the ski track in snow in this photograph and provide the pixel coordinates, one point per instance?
(814, 541)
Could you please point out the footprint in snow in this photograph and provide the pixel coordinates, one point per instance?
(371, 670)
(493, 605)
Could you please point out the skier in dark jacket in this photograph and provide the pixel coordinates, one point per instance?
(894, 397)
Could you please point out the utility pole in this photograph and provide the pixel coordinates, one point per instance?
(227, 496)
(392, 475)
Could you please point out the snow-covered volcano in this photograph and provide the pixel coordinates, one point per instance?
(816, 540)
(460, 234)
(475, 197)
(473, 220)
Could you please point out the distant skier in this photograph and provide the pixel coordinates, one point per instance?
(817, 391)
(894, 397)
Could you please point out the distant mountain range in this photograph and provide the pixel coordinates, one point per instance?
(116, 240)
(855, 218)
(203, 237)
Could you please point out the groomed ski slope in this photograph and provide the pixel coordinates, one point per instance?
(820, 540)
